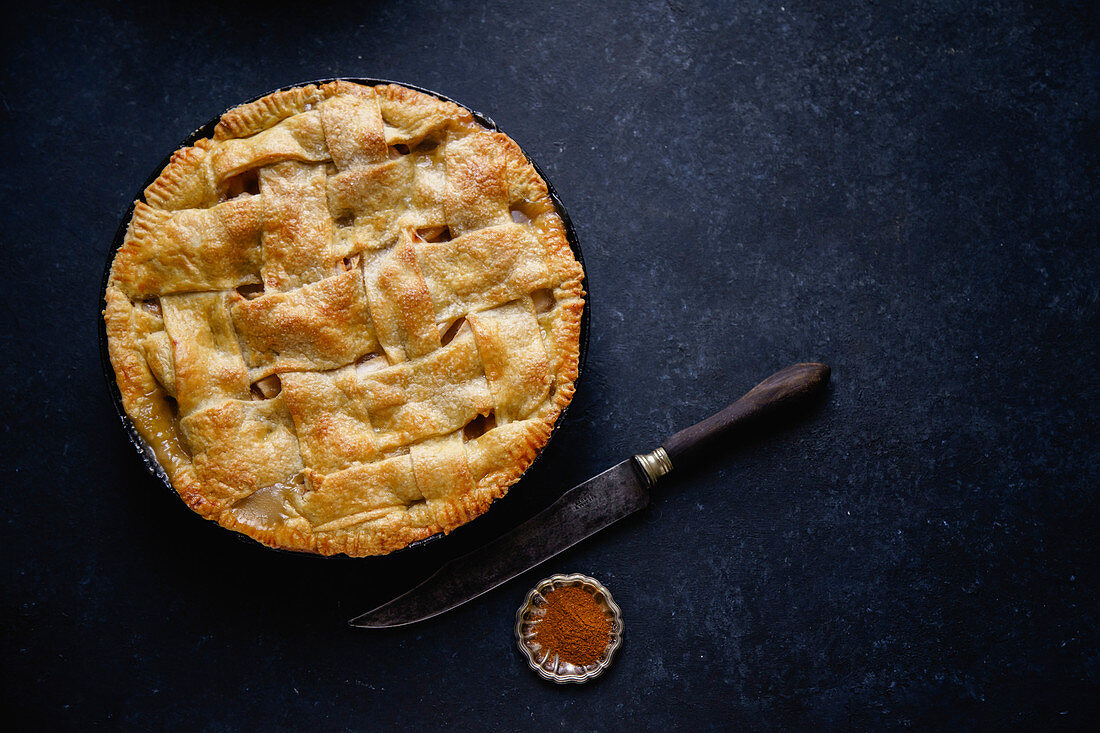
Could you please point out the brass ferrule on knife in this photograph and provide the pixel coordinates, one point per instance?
(654, 465)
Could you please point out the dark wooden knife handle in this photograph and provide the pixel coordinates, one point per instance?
(787, 388)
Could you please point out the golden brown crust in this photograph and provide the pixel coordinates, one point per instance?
(410, 116)
(323, 325)
(254, 117)
(190, 249)
(185, 182)
(400, 274)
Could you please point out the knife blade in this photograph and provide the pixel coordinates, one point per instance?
(590, 506)
(578, 513)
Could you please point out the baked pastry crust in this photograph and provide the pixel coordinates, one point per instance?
(347, 321)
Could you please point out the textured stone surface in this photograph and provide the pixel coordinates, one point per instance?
(905, 191)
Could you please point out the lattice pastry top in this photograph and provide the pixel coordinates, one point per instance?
(347, 321)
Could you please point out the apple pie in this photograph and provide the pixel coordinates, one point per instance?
(346, 321)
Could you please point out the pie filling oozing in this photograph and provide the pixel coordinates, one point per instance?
(347, 321)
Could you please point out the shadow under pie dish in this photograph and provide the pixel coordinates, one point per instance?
(347, 320)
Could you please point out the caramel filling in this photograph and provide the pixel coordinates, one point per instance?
(251, 291)
(244, 182)
(479, 426)
(543, 298)
(448, 335)
(371, 362)
(266, 388)
(265, 508)
(434, 234)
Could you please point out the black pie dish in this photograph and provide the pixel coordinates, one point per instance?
(146, 452)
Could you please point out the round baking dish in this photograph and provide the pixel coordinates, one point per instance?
(206, 130)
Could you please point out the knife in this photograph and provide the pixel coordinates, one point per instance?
(593, 505)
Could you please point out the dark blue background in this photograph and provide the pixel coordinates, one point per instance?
(906, 191)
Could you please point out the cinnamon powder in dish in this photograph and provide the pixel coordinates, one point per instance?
(575, 628)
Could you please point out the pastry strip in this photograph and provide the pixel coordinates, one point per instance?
(434, 395)
(297, 228)
(441, 473)
(353, 129)
(195, 249)
(360, 493)
(207, 357)
(244, 445)
(515, 360)
(482, 269)
(477, 191)
(400, 303)
(383, 199)
(299, 138)
(334, 430)
(323, 325)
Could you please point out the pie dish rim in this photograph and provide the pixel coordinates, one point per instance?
(146, 452)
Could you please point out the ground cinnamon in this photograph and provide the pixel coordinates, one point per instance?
(575, 627)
